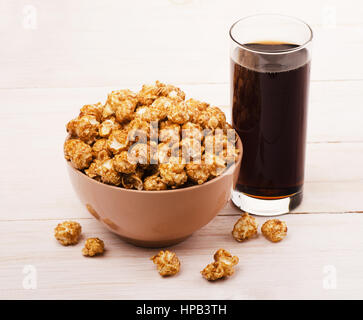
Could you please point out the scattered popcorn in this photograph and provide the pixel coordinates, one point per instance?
(224, 256)
(221, 267)
(245, 227)
(150, 140)
(93, 246)
(167, 263)
(68, 232)
(274, 230)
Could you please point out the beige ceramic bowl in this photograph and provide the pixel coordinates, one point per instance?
(155, 218)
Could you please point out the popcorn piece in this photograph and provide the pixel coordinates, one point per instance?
(212, 118)
(169, 132)
(125, 111)
(178, 113)
(221, 267)
(161, 106)
(107, 126)
(84, 127)
(118, 141)
(156, 111)
(149, 93)
(92, 110)
(274, 230)
(172, 92)
(224, 256)
(192, 130)
(117, 99)
(78, 152)
(195, 108)
(93, 170)
(216, 164)
(100, 150)
(154, 182)
(198, 172)
(93, 246)
(68, 232)
(107, 172)
(216, 270)
(191, 149)
(133, 180)
(245, 227)
(138, 130)
(122, 164)
(173, 173)
(167, 263)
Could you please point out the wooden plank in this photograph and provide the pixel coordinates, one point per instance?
(291, 269)
(93, 44)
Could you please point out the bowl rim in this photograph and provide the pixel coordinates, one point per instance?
(229, 171)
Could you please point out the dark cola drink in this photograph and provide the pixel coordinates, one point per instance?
(270, 82)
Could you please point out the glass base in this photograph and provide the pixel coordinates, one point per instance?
(266, 207)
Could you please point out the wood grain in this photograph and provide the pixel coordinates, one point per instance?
(293, 268)
(96, 44)
(77, 52)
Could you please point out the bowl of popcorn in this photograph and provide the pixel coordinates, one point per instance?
(152, 166)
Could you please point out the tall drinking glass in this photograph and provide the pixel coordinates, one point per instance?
(270, 74)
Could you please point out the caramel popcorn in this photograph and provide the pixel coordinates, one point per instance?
(173, 173)
(198, 172)
(123, 101)
(221, 267)
(212, 118)
(154, 182)
(133, 180)
(78, 152)
(68, 232)
(178, 113)
(245, 227)
(106, 170)
(150, 140)
(169, 132)
(216, 164)
(122, 164)
(118, 141)
(92, 110)
(92, 247)
(107, 126)
(195, 109)
(84, 127)
(274, 230)
(100, 150)
(167, 263)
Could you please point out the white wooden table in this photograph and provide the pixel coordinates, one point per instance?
(57, 56)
